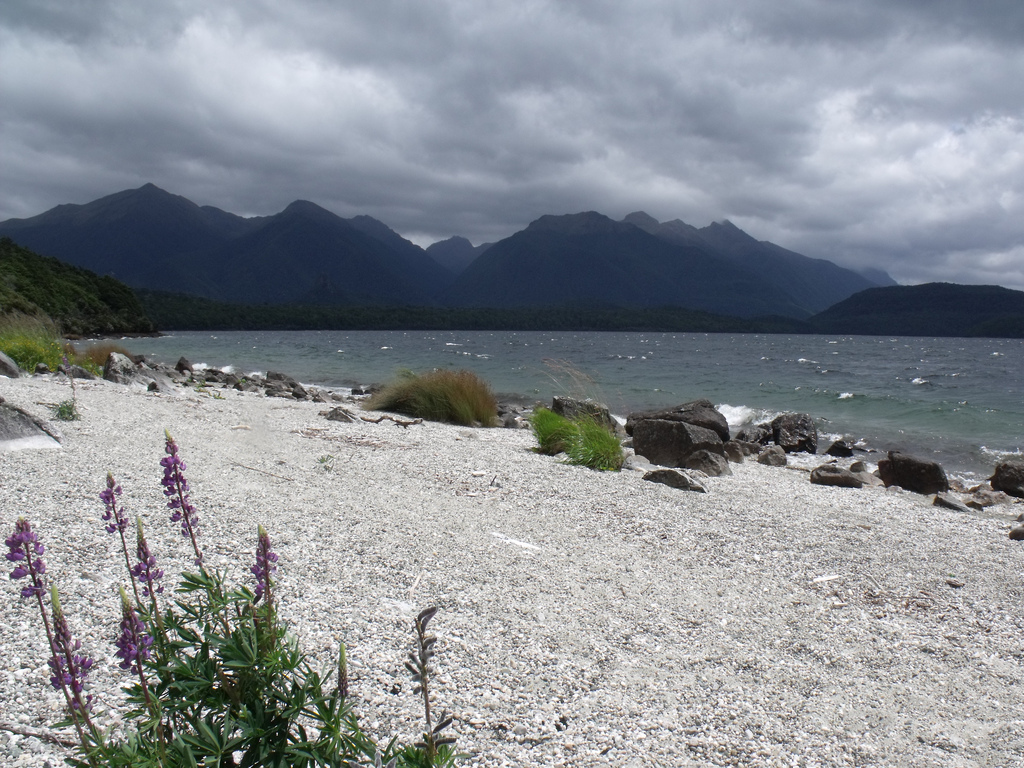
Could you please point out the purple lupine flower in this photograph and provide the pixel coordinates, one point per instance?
(69, 667)
(134, 642)
(26, 551)
(145, 570)
(176, 490)
(109, 497)
(265, 559)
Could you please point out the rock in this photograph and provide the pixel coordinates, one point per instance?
(734, 452)
(247, 386)
(795, 432)
(758, 434)
(983, 497)
(748, 448)
(670, 443)
(119, 368)
(912, 474)
(183, 366)
(949, 502)
(858, 466)
(700, 413)
(338, 414)
(42, 368)
(711, 464)
(868, 478)
(834, 475)
(841, 449)
(675, 479)
(514, 421)
(772, 456)
(1009, 478)
(19, 429)
(8, 367)
(573, 409)
(78, 372)
(1017, 533)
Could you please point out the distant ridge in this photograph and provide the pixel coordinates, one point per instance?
(154, 240)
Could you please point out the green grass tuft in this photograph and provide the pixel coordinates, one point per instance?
(456, 397)
(585, 441)
(594, 445)
(553, 431)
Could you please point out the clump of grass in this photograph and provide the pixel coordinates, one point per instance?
(29, 340)
(552, 430)
(456, 397)
(585, 441)
(66, 410)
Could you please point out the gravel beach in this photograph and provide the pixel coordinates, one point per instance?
(586, 618)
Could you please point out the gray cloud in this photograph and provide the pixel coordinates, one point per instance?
(869, 132)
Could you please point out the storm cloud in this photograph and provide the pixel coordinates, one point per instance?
(873, 133)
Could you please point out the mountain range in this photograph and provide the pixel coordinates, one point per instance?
(152, 239)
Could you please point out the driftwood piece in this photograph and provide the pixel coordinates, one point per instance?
(387, 417)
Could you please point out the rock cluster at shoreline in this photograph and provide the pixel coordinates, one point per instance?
(586, 619)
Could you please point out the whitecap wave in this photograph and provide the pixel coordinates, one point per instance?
(919, 381)
(845, 395)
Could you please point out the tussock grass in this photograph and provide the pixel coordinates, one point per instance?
(456, 397)
(553, 431)
(29, 340)
(585, 441)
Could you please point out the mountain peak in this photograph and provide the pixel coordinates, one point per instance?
(643, 220)
(586, 223)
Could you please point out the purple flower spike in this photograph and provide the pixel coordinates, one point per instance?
(265, 559)
(69, 667)
(176, 490)
(145, 570)
(133, 643)
(109, 497)
(26, 551)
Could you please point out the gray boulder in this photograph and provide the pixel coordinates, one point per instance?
(757, 434)
(574, 409)
(1009, 478)
(834, 475)
(795, 432)
(338, 414)
(670, 443)
(700, 413)
(675, 479)
(711, 464)
(912, 474)
(735, 452)
(772, 456)
(947, 501)
(8, 367)
(119, 368)
(19, 429)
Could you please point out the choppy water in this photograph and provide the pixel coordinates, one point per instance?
(958, 401)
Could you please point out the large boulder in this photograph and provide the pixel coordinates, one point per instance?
(20, 429)
(795, 432)
(119, 368)
(671, 443)
(1009, 478)
(8, 367)
(913, 474)
(700, 413)
(574, 409)
(834, 475)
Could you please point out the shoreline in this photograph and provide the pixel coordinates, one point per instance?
(586, 619)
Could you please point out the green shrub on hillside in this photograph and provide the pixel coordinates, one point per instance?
(29, 340)
(456, 397)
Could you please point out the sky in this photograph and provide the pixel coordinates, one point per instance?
(873, 133)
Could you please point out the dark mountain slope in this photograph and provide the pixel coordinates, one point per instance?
(456, 253)
(136, 235)
(588, 259)
(306, 254)
(932, 309)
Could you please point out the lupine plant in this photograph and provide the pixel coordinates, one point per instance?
(214, 678)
